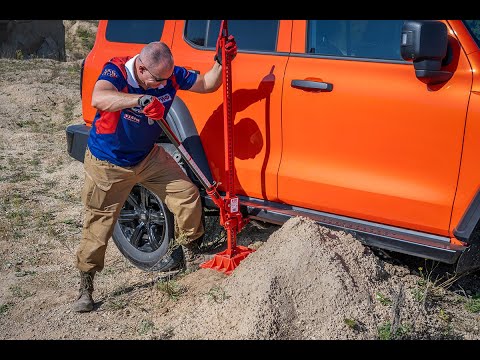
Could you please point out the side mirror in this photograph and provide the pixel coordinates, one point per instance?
(425, 42)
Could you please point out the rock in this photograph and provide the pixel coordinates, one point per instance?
(22, 39)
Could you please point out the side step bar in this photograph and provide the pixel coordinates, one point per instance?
(386, 237)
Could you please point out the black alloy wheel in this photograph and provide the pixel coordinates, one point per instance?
(144, 232)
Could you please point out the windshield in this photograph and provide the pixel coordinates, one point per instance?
(474, 27)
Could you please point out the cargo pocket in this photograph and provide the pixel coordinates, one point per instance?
(100, 180)
(95, 194)
(99, 173)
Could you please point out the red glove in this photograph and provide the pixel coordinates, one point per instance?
(230, 50)
(153, 109)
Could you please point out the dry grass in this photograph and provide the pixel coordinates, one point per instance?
(41, 221)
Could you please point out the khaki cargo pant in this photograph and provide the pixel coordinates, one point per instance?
(106, 188)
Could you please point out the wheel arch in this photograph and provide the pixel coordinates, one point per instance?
(469, 221)
(468, 230)
(181, 122)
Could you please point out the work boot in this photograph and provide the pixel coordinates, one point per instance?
(84, 301)
(193, 256)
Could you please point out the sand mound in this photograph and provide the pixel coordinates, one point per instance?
(305, 282)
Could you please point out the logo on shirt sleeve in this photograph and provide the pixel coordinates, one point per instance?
(110, 73)
(165, 98)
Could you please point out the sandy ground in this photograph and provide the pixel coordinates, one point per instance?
(303, 281)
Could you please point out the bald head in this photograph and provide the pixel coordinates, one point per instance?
(156, 54)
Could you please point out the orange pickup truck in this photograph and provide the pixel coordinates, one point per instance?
(370, 126)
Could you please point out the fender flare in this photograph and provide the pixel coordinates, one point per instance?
(468, 223)
(181, 122)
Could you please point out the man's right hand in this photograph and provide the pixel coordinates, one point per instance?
(154, 108)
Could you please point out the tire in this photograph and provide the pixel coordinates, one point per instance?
(144, 232)
(152, 247)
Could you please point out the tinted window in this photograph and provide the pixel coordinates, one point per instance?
(256, 35)
(134, 31)
(376, 39)
(474, 27)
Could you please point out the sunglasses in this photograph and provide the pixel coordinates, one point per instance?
(154, 78)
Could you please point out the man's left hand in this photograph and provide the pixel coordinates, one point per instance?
(230, 50)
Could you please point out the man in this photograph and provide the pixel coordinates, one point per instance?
(121, 152)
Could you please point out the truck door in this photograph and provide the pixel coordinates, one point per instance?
(257, 73)
(375, 143)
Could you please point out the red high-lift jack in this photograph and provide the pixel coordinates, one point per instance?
(230, 216)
